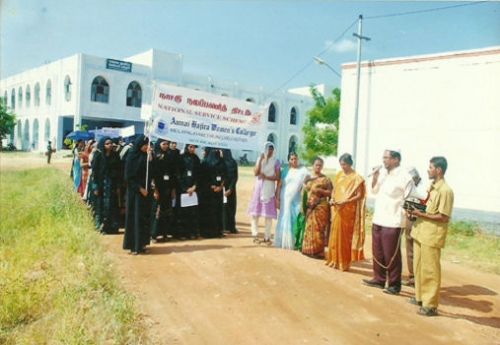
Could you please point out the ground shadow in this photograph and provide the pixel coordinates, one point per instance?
(362, 272)
(184, 249)
(458, 296)
(493, 321)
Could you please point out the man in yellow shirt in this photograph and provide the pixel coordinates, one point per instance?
(429, 234)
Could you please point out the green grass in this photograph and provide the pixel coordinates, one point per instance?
(467, 244)
(56, 285)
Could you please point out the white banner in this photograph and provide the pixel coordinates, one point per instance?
(113, 132)
(205, 119)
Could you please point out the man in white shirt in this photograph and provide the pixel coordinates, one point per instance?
(390, 187)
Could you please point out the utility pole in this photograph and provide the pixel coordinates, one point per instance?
(360, 37)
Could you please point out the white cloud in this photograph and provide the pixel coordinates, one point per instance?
(343, 46)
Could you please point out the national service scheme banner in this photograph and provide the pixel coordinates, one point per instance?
(205, 119)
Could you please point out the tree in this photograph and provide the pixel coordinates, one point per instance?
(7, 122)
(321, 127)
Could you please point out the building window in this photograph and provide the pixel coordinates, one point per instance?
(28, 96)
(292, 144)
(293, 116)
(37, 94)
(13, 99)
(100, 90)
(250, 99)
(67, 88)
(272, 138)
(19, 133)
(35, 135)
(20, 97)
(134, 95)
(48, 92)
(271, 115)
(5, 99)
(47, 130)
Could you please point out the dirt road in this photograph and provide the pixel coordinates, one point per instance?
(230, 291)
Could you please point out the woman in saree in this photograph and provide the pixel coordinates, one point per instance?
(347, 235)
(289, 187)
(319, 189)
(263, 202)
(85, 165)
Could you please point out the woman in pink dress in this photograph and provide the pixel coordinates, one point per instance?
(263, 202)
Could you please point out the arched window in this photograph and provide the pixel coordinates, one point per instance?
(100, 90)
(48, 92)
(19, 133)
(26, 135)
(35, 134)
(67, 88)
(28, 96)
(36, 90)
(47, 130)
(293, 116)
(20, 97)
(13, 99)
(5, 99)
(292, 144)
(271, 115)
(134, 95)
(272, 138)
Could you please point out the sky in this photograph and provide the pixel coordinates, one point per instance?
(256, 43)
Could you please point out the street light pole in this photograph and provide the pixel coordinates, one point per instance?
(320, 61)
(360, 37)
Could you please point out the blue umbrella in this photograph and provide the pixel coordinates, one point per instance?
(80, 135)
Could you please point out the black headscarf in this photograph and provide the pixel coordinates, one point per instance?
(213, 158)
(157, 149)
(229, 161)
(136, 159)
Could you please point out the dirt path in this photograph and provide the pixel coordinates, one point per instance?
(230, 291)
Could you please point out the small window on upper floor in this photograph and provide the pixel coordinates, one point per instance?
(48, 92)
(100, 90)
(67, 88)
(293, 116)
(36, 90)
(20, 97)
(271, 115)
(134, 95)
(28, 96)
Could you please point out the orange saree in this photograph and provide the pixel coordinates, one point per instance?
(347, 234)
(317, 217)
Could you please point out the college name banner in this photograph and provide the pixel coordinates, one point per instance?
(205, 119)
(113, 132)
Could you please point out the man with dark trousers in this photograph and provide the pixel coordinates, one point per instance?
(390, 186)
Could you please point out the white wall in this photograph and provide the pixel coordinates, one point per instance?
(444, 104)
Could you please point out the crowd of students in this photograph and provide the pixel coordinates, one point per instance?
(154, 191)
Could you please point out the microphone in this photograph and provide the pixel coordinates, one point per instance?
(374, 170)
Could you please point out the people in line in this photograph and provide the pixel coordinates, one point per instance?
(137, 222)
(418, 195)
(390, 186)
(318, 188)
(264, 199)
(105, 186)
(289, 201)
(347, 232)
(429, 237)
(189, 172)
(230, 200)
(165, 173)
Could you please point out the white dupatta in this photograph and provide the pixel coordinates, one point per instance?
(267, 168)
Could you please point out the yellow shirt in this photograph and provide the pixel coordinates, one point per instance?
(430, 232)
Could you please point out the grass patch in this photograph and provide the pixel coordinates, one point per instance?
(467, 244)
(56, 284)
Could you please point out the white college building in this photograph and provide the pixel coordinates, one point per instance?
(442, 104)
(52, 100)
